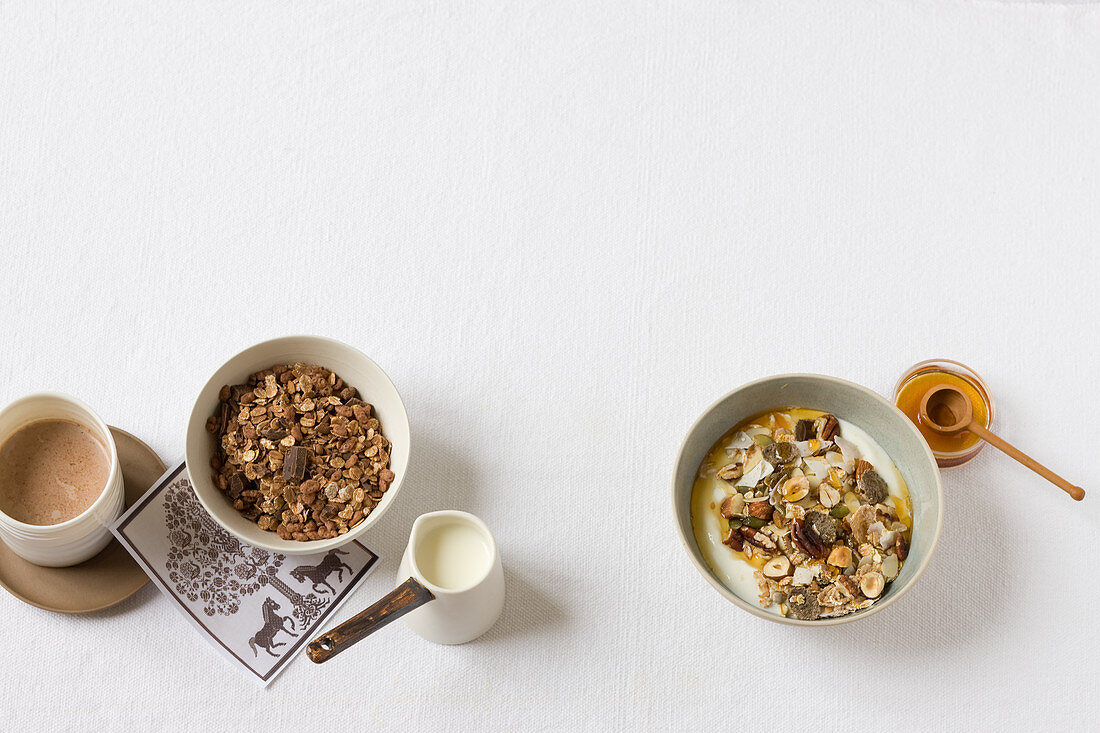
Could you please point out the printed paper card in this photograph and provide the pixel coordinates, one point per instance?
(259, 607)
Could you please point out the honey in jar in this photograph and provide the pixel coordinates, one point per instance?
(949, 450)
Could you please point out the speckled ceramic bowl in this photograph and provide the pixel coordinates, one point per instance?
(858, 405)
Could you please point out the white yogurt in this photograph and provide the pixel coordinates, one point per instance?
(711, 528)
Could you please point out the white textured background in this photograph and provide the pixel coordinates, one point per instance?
(564, 228)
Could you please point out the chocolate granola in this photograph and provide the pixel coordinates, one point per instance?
(298, 452)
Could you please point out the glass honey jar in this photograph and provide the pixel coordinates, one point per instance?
(949, 450)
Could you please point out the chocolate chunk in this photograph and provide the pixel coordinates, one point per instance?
(236, 485)
(804, 430)
(223, 418)
(294, 466)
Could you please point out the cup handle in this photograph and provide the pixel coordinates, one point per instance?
(395, 604)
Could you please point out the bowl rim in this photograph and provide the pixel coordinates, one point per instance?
(288, 547)
(690, 544)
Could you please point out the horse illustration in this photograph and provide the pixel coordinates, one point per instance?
(318, 574)
(273, 624)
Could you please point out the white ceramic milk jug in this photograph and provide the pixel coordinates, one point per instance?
(453, 589)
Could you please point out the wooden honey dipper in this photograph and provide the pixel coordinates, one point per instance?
(946, 409)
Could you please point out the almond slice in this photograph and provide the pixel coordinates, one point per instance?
(732, 505)
(890, 567)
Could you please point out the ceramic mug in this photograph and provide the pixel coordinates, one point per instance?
(85, 535)
(453, 590)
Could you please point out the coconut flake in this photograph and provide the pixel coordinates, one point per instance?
(739, 441)
(817, 468)
(802, 576)
(851, 452)
(753, 476)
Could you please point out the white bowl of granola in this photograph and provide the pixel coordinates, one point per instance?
(808, 500)
(298, 445)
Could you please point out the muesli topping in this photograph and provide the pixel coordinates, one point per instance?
(814, 515)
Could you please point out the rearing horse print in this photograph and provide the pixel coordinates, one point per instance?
(273, 624)
(318, 574)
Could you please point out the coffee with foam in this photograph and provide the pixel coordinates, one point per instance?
(51, 471)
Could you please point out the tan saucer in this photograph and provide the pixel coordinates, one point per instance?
(110, 577)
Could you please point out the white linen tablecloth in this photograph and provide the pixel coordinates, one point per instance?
(564, 229)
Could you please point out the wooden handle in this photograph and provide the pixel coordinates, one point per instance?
(392, 606)
(1005, 447)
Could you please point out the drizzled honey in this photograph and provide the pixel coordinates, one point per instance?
(949, 450)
